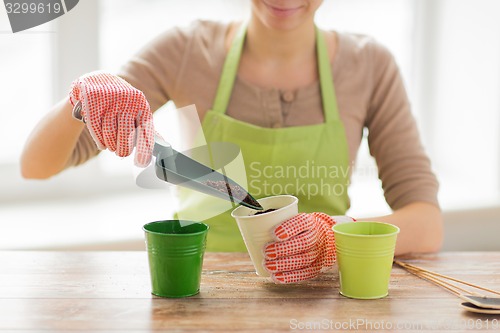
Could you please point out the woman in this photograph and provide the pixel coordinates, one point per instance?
(266, 86)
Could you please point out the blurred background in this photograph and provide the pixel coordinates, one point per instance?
(448, 52)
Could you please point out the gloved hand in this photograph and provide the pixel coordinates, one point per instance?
(117, 115)
(305, 244)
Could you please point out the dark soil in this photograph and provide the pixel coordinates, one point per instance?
(234, 191)
(265, 211)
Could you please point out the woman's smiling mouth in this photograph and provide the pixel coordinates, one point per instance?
(280, 11)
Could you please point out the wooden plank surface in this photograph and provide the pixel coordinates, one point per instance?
(110, 291)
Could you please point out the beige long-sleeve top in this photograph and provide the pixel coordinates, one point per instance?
(185, 64)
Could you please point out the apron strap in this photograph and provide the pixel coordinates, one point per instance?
(328, 96)
(229, 71)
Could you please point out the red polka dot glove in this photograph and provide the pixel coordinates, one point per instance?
(117, 115)
(304, 246)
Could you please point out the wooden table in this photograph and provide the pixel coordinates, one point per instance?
(110, 291)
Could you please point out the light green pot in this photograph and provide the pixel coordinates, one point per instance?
(365, 251)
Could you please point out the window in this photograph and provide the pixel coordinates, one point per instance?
(459, 100)
(25, 84)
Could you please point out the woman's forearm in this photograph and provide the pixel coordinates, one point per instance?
(421, 227)
(51, 143)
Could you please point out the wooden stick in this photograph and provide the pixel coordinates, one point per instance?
(447, 285)
(441, 284)
(421, 275)
(406, 265)
(420, 272)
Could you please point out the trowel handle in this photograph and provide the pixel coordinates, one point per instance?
(162, 147)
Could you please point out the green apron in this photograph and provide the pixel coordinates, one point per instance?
(310, 162)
